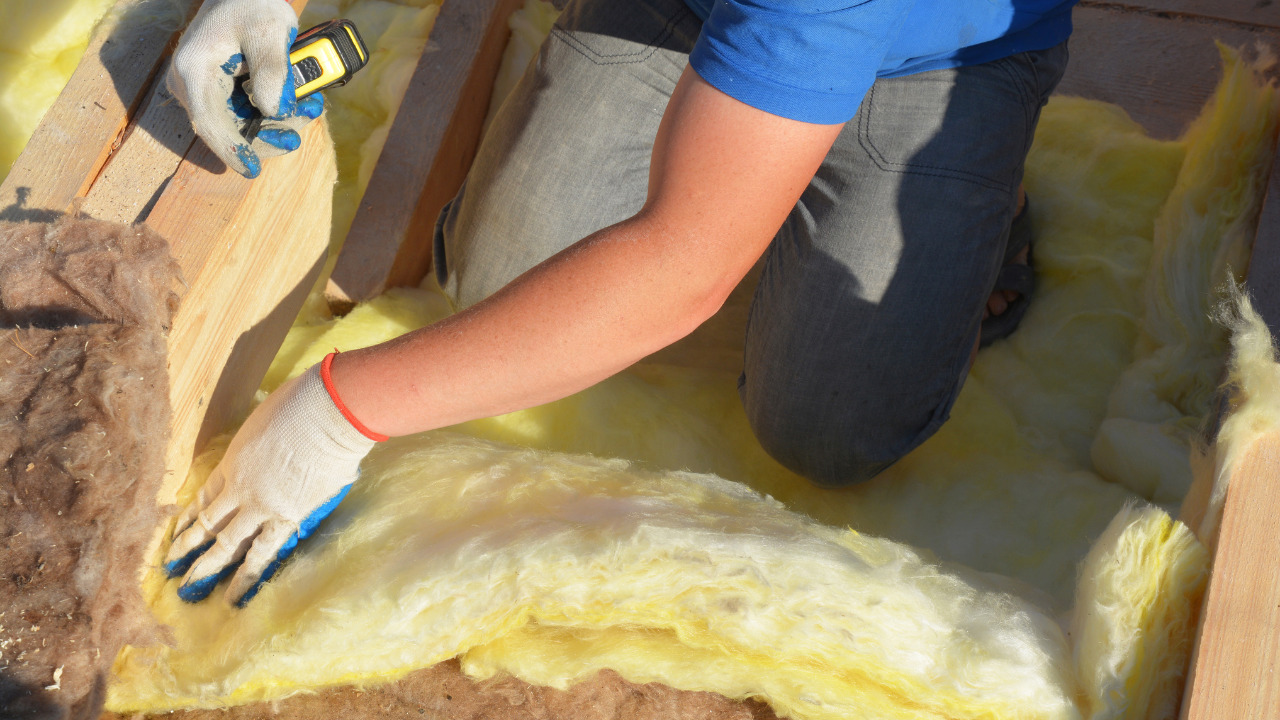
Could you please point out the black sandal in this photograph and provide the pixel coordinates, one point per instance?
(1013, 276)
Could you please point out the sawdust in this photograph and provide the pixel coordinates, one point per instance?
(84, 416)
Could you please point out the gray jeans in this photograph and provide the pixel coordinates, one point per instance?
(872, 292)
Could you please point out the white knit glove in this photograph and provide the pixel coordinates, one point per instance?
(227, 40)
(287, 468)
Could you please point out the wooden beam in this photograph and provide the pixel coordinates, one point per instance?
(85, 124)
(427, 154)
(1254, 13)
(250, 251)
(1161, 70)
(1232, 674)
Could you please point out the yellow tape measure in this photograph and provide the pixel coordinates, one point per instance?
(326, 55)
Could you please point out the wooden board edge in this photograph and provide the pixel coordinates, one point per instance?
(87, 121)
(1246, 489)
(1238, 635)
(428, 152)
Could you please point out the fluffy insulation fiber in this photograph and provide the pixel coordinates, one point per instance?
(40, 45)
(515, 545)
(84, 418)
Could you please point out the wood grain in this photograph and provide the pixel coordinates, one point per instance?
(153, 147)
(158, 139)
(250, 251)
(1234, 665)
(84, 125)
(1246, 12)
(1160, 70)
(427, 154)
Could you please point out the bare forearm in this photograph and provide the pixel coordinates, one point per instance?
(569, 323)
(722, 179)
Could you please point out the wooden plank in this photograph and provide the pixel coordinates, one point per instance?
(427, 153)
(153, 146)
(1233, 673)
(159, 138)
(1265, 13)
(85, 123)
(250, 251)
(1160, 70)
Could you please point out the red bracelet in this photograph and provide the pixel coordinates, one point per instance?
(342, 408)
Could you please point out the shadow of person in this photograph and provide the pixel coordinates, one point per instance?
(19, 212)
(158, 113)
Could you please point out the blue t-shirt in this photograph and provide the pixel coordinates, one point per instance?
(814, 60)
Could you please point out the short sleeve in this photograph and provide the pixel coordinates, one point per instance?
(808, 60)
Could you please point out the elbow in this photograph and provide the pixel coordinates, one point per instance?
(699, 305)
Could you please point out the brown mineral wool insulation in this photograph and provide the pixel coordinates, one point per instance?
(443, 691)
(84, 419)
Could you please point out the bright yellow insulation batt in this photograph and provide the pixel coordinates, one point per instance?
(40, 46)
(1254, 379)
(1204, 233)
(452, 543)
(529, 25)
(1144, 564)
(550, 565)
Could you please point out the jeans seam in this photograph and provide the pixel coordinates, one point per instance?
(1030, 100)
(630, 58)
(886, 165)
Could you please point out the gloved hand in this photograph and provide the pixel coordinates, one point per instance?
(227, 40)
(287, 468)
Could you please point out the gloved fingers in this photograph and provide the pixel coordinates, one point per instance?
(221, 559)
(275, 138)
(215, 109)
(209, 492)
(276, 542)
(274, 545)
(198, 525)
(311, 106)
(267, 55)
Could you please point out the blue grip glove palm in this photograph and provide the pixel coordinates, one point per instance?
(227, 40)
(287, 468)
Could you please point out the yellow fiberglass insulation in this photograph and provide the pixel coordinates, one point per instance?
(40, 46)
(501, 542)
(1254, 380)
(1162, 397)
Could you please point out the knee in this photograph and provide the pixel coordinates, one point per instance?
(830, 442)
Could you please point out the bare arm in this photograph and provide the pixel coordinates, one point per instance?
(722, 179)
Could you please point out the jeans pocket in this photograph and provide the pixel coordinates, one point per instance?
(956, 123)
(625, 32)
